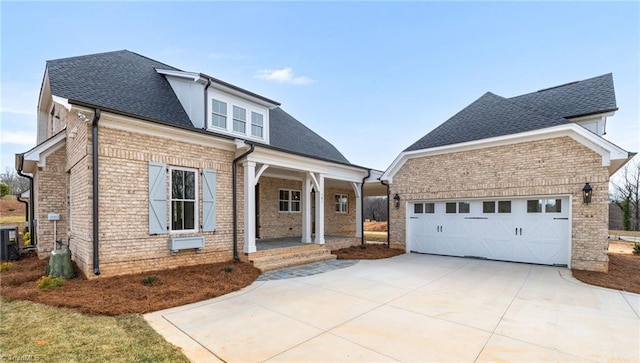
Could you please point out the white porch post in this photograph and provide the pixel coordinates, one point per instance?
(320, 210)
(249, 206)
(356, 189)
(306, 208)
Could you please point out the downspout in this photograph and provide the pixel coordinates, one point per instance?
(32, 229)
(94, 166)
(362, 207)
(26, 208)
(388, 215)
(235, 201)
(206, 109)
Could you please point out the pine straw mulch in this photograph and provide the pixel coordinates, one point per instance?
(127, 294)
(624, 274)
(366, 252)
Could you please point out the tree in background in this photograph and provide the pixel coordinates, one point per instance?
(625, 195)
(5, 189)
(17, 183)
(375, 208)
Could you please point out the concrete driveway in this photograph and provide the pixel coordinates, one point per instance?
(412, 308)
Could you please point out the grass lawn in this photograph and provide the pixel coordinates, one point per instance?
(41, 333)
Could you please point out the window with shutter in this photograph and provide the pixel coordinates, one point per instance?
(157, 198)
(208, 200)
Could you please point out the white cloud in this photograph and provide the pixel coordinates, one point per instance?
(284, 75)
(18, 137)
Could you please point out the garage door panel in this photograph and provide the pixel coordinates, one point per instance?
(515, 233)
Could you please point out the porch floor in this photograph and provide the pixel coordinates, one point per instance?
(284, 242)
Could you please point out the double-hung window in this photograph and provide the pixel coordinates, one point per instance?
(219, 114)
(341, 203)
(257, 124)
(239, 119)
(289, 200)
(183, 200)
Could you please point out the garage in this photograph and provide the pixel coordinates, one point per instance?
(531, 230)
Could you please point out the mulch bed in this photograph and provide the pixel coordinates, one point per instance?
(624, 274)
(127, 294)
(367, 252)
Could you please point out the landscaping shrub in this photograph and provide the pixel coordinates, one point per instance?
(149, 280)
(227, 269)
(49, 282)
(636, 248)
(6, 266)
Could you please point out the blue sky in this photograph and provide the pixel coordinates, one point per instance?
(371, 78)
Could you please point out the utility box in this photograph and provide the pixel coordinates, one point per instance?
(9, 250)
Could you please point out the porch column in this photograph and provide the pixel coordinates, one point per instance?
(249, 206)
(306, 208)
(319, 209)
(356, 189)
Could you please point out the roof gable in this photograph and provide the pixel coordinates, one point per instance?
(121, 81)
(488, 116)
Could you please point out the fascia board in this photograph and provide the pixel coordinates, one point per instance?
(180, 74)
(130, 124)
(300, 163)
(605, 148)
(38, 155)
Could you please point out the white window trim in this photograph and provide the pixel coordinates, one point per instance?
(225, 115)
(339, 203)
(249, 108)
(290, 200)
(196, 212)
(234, 119)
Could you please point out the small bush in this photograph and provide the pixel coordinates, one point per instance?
(5, 189)
(26, 238)
(49, 282)
(636, 248)
(6, 266)
(227, 269)
(149, 280)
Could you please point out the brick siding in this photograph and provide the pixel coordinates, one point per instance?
(558, 166)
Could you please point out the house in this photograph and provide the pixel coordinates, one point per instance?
(521, 179)
(143, 166)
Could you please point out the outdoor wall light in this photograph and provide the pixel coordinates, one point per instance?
(587, 192)
(396, 201)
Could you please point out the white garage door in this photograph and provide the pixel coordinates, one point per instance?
(533, 230)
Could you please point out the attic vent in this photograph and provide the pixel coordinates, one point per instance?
(562, 85)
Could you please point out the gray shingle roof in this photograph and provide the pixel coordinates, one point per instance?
(122, 81)
(593, 95)
(126, 82)
(493, 116)
(285, 132)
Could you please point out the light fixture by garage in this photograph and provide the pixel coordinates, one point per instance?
(396, 201)
(587, 192)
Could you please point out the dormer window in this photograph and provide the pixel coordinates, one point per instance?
(257, 124)
(234, 116)
(219, 114)
(239, 120)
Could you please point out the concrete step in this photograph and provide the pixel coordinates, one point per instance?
(281, 259)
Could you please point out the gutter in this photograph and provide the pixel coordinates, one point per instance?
(94, 166)
(388, 215)
(362, 207)
(26, 208)
(32, 229)
(235, 201)
(206, 109)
